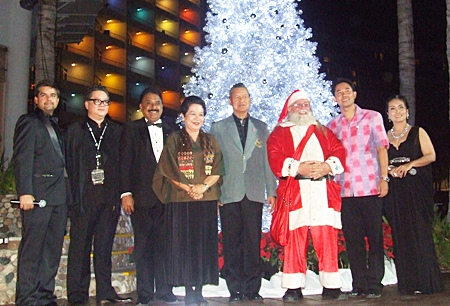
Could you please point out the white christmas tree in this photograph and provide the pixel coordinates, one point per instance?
(263, 44)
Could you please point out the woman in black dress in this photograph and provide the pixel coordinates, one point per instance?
(409, 203)
(188, 179)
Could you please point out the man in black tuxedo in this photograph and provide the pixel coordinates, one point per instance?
(39, 169)
(93, 167)
(141, 145)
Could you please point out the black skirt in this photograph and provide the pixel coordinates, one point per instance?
(192, 243)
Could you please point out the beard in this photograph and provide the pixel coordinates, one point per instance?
(302, 120)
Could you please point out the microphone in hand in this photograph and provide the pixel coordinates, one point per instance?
(412, 171)
(41, 203)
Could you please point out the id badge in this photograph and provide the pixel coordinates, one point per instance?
(98, 176)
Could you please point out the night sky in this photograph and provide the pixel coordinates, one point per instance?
(352, 33)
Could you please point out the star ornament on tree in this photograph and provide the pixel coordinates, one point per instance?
(263, 44)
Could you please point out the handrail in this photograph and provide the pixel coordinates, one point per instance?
(112, 62)
(189, 42)
(78, 51)
(115, 35)
(141, 46)
(115, 90)
(191, 20)
(167, 55)
(143, 21)
(142, 72)
(164, 31)
(165, 8)
(77, 80)
(187, 63)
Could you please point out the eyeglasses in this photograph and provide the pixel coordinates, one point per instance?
(305, 104)
(98, 102)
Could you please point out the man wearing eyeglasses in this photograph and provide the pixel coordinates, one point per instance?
(306, 156)
(93, 166)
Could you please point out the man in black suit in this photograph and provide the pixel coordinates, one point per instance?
(141, 145)
(39, 169)
(93, 167)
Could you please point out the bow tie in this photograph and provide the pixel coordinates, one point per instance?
(159, 124)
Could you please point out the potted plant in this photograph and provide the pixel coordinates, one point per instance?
(7, 182)
(441, 236)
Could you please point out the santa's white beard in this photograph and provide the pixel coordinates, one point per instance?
(302, 120)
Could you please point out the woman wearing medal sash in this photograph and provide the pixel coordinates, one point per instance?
(188, 179)
(409, 203)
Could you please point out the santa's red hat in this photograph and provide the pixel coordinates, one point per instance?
(294, 96)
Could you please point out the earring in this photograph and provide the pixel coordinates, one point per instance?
(407, 116)
(389, 119)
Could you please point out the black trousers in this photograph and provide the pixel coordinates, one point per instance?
(148, 228)
(241, 232)
(362, 217)
(98, 223)
(39, 254)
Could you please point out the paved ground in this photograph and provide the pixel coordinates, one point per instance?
(390, 297)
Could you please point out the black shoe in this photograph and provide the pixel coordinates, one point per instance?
(292, 295)
(254, 297)
(77, 303)
(356, 293)
(144, 301)
(335, 294)
(374, 295)
(202, 302)
(116, 299)
(168, 298)
(236, 297)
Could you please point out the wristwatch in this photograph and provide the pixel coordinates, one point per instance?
(385, 178)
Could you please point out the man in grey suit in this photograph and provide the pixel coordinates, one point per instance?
(248, 178)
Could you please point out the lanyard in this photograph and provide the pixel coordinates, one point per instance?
(97, 144)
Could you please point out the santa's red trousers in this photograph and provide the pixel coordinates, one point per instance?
(295, 255)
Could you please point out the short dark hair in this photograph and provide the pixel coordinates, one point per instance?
(45, 83)
(238, 85)
(150, 89)
(342, 80)
(93, 88)
(188, 101)
(399, 97)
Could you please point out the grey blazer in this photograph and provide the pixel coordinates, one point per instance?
(247, 172)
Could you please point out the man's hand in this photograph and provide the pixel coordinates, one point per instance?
(26, 202)
(318, 169)
(128, 204)
(304, 168)
(272, 202)
(383, 188)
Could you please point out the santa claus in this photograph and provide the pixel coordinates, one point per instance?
(305, 156)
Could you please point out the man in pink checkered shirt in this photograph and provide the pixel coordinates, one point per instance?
(364, 184)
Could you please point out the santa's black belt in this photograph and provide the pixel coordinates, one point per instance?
(305, 177)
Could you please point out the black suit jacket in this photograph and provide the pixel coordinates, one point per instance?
(138, 162)
(38, 165)
(77, 138)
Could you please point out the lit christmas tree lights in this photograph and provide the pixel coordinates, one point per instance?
(263, 44)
